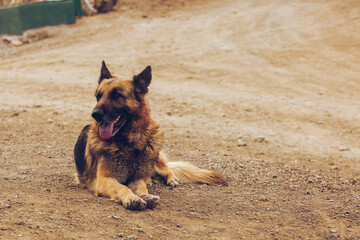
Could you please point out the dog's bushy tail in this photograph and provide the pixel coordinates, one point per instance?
(187, 172)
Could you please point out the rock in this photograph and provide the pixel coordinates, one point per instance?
(241, 143)
(162, 227)
(103, 6)
(334, 168)
(260, 139)
(28, 37)
(137, 229)
(132, 237)
(263, 198)
(342, 148)
(32, 36)
(13, 40)
(333, 230)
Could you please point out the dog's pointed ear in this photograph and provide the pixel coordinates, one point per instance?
(104, 72)
(143, 80)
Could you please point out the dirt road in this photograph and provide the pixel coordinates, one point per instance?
(280, 77)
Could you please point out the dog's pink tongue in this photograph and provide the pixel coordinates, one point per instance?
(105, 130)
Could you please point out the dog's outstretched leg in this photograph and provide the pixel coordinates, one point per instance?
(140, 189)
(109, 187)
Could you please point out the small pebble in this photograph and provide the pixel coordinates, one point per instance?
(263, 199)
(260, 139)
(334, 168)
(162, 227)
(241, 143)
(344, 149)
(132, 237)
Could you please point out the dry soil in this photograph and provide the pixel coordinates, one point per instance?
(264, 92)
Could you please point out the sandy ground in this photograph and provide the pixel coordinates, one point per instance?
(281, 76)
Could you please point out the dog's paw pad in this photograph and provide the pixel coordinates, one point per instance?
(173, 182)
(151, 200)
(135, 203)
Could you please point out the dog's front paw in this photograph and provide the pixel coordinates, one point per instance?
(151, 200)
(134, 203)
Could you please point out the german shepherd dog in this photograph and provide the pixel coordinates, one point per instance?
(118, 154)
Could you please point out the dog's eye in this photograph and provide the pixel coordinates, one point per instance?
(98, 96)
(115, 94)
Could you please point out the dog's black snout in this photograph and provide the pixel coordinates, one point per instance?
(98, 114)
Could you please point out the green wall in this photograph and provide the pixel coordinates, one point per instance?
(15, 20)
(10, 20)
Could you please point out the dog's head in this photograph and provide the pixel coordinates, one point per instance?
(117, 99)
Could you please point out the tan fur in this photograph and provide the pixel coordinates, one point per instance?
(121, 167)
(186, 172)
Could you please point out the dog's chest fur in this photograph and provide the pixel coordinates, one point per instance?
(129, 164)
(130, 157)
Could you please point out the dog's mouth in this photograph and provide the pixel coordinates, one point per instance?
(108, 130)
